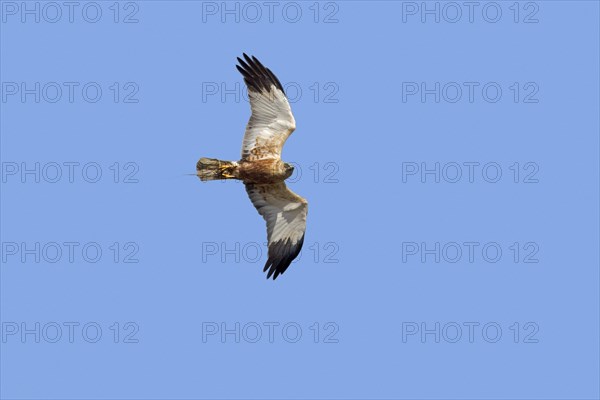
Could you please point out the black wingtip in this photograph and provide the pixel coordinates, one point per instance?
(257, 77)
(281, 255)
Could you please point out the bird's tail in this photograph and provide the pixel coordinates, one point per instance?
(210, 169)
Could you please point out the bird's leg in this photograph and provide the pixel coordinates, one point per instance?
(224, 168)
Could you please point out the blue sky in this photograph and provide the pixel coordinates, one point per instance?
(449, 156)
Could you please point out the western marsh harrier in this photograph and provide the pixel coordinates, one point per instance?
(261, 168)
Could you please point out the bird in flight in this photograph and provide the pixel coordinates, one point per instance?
(261, 169)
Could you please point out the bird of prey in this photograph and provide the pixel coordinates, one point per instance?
(261, 169)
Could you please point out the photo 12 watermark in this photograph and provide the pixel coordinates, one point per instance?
(36, 332)
(326, 92)
(69, 252)
(313, 172)
(328, 252)
(69, 12)
(470, 12)
(270, 332)
(470, 332)
(70, 172)
(470, 92)
(270, 12)
(69, 92)
(471, 172)
(470, 252)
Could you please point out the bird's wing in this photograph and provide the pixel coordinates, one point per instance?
(271, 122)
(285, 213)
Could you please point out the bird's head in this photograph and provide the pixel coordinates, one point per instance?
(289, 170)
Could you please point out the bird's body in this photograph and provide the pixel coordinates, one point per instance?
(261, 168)
(258, 171)
(264, 171)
